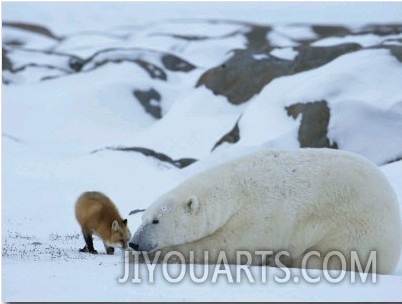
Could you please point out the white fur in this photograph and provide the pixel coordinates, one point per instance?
(296, 200)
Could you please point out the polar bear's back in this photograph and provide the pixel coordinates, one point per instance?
(336, 181)
(337, 176)
(325, 198)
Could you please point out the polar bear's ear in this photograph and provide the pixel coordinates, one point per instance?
(192, 204)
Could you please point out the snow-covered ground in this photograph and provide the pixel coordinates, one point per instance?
(60, 123)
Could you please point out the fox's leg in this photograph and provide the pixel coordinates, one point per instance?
(89, 247)
(109, 250)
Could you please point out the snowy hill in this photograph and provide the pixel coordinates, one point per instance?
(133, 109)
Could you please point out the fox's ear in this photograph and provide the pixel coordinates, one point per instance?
(125, 222)
(115, 226)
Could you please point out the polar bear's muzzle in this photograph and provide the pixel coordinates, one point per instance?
(142, 240)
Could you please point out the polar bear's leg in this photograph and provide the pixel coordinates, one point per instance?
(308, 260)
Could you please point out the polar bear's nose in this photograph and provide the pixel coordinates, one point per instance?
(134, 246)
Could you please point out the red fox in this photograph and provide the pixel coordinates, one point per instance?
(97, 214)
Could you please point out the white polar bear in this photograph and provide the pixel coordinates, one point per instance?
(298, 200)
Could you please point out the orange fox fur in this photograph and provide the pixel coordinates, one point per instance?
(98, 215)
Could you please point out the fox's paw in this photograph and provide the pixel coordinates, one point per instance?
(85, 249)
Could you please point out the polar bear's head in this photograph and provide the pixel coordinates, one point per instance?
(185, 214)
(171, 221)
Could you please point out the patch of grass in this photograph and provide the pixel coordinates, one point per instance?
(17, 235)
(65, 237)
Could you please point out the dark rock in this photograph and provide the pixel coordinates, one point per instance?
(76, 63)
(381, 29)
(13, 138)
(118, 55)
(37, 29)
(136, 211)
(6, 63)
(314, 124)
(43, 66)
(242, 76)
(146, 98)
(330, 30)
(183, 37)
(232, 137)
(183, 162)
(176, 64)
(179, 163)
(60, 64)
(313, 57)
(14, 43)
(257, 37)
(397, 159)
(153, 70)
(339, 31)
(396, 50)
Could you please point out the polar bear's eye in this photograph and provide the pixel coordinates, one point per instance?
(155, 221)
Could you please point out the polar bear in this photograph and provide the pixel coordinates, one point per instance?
(298, 201)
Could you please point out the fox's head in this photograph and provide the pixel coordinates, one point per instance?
(120, 235)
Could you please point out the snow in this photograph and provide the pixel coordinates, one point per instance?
(98, 270)
(278, 39)
(285, 53)
(76, 110)
(296, 32)
(260, 56)
(387, 122)
(50, 129)
(360, 95)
